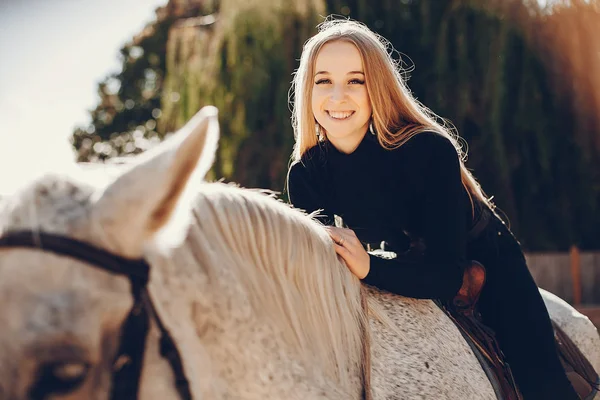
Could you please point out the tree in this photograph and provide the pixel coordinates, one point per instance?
(530, 114)
(125, 120)
(242, 63)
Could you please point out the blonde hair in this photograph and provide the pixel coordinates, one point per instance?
(397, 115)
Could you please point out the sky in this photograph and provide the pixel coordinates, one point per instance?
(53, 54)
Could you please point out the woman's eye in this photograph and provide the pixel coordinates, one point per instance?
(351, 82)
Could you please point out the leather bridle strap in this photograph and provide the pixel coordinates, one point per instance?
(129, 359)
(65, 246)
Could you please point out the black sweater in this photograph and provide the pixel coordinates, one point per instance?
(397, 196)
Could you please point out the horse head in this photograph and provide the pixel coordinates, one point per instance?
(63, 318)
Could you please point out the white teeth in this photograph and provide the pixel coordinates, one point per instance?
(340, 114)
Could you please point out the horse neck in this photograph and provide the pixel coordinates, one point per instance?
(207, 311)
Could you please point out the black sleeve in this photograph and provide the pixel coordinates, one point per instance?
(305, 192)
(437, 272)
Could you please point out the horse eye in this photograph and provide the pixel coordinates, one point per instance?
(70, 371)
(59, 378)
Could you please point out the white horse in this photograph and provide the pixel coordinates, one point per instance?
(257, 301)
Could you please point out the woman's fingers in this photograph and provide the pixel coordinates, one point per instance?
(348, 247)
(334, 234)
(342, 251)
(342, 236)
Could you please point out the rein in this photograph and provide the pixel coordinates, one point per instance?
(134, 332)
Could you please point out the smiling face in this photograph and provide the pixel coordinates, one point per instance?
(340, 101)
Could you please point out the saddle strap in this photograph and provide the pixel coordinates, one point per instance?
(483, 340)
(462, 310)
(580, 372)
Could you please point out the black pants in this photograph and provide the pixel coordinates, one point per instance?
(512, 306)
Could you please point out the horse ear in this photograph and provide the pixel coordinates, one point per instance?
(146, 201)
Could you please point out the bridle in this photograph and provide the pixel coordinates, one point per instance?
(129, 359)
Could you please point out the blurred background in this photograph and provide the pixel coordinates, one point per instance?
(520, 80)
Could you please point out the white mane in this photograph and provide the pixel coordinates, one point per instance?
(288, 270)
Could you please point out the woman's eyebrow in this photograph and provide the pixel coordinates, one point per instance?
(349, 73)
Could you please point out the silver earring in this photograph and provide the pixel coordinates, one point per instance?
(318, 129)
(371, 128)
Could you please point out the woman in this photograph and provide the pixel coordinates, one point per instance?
(368, 152)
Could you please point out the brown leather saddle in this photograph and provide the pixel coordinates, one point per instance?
(463, 311)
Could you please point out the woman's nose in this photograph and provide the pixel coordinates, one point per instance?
(339, 93)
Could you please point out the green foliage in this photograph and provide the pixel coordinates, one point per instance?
(476, 64)
(125, 120)
(243, 65)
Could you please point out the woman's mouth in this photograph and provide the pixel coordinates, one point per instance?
(339, 115)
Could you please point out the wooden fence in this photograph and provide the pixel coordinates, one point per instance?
(574, 276)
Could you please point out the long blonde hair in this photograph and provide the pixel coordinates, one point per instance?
(397, 115)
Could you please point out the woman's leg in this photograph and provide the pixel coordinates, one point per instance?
(512, 306)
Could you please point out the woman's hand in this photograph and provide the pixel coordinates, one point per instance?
(351, 250)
